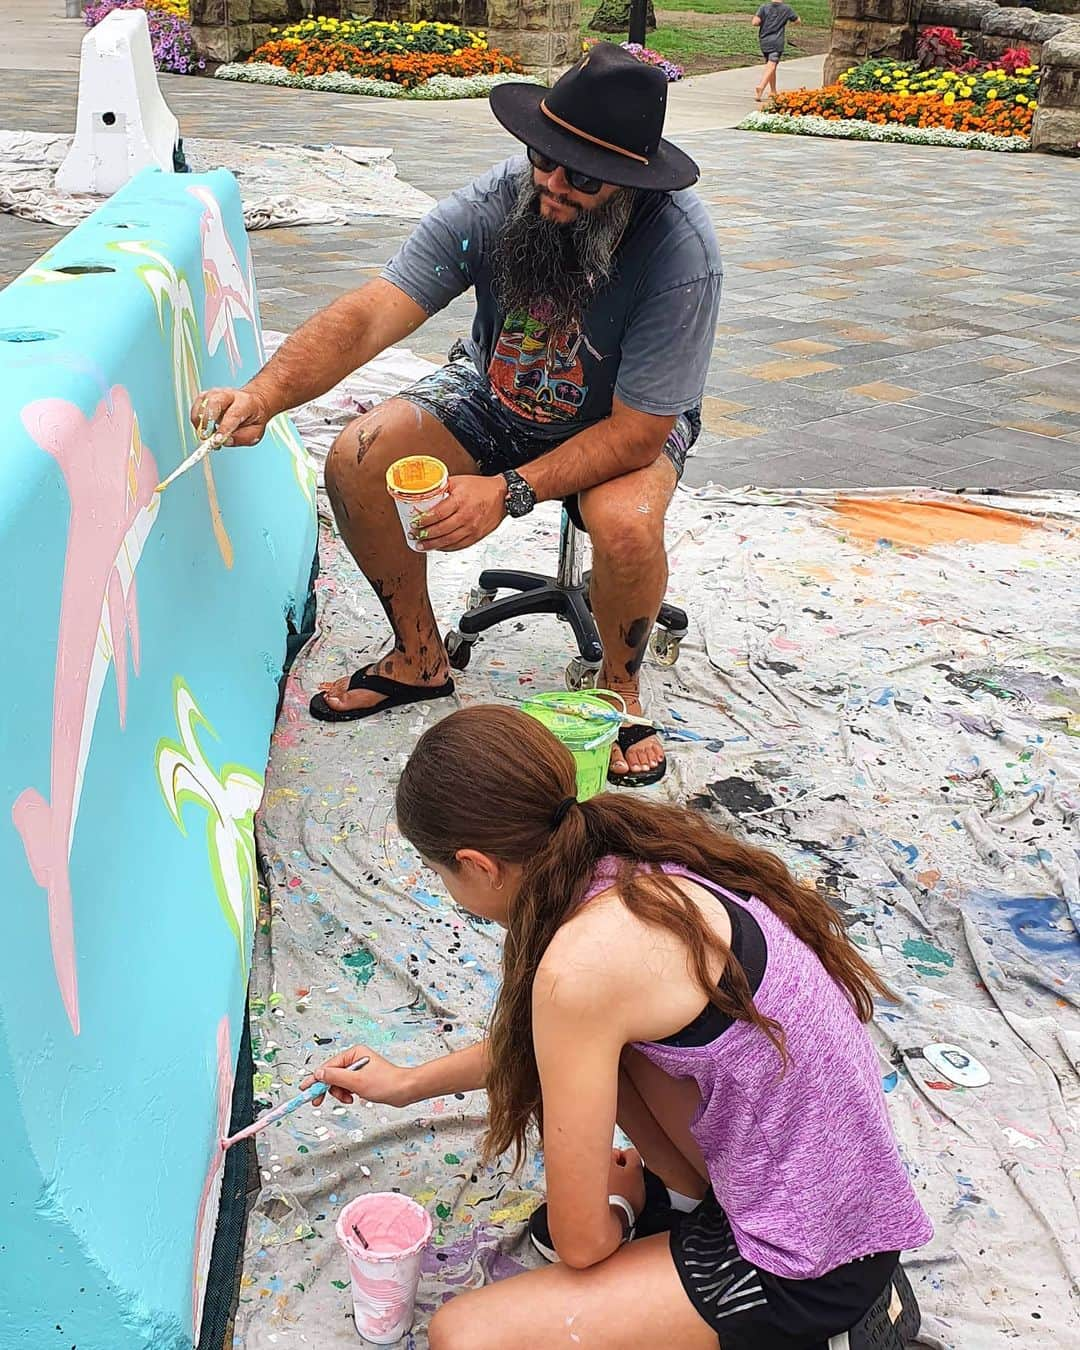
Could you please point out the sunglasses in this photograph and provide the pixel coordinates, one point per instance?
(580, 182)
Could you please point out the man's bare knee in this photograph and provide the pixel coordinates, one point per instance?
(625, 536)
(363, 451)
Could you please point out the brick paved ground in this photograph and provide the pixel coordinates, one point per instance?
(892, 314)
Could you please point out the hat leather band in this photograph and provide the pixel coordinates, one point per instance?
(576, 131)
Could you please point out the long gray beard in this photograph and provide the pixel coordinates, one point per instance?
(555, 271)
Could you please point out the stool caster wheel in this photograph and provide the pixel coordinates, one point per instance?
(581, 675)
(664, 647)
(458, 649)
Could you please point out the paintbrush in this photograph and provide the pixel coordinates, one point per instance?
(317, 1089)
(214, 442)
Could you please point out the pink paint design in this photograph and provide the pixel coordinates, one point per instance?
(228, 289)
(110, 477)
(206, 1219)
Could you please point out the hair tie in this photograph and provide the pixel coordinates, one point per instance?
(562, 810)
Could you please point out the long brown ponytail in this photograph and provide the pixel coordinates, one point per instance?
(490, 778)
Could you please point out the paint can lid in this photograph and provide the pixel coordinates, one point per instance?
(416, 475)
(956, 1064)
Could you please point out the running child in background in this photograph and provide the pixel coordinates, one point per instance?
(663, 975)
(772, 20)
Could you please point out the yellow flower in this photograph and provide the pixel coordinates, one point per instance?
(991, 93)
(1021, 98)
(950, 97)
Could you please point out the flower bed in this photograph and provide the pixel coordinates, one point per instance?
(984, 105)
(438, 87)
(945, 111)
(672, 70)
(171, 38)
(1018, 85)
(405, 54)
(855, 130)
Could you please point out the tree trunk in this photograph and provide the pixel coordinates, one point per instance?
(613, 16)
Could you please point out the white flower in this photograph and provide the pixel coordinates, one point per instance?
(438, 87)
(854, 130)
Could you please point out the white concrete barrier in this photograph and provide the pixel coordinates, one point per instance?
(123, 123)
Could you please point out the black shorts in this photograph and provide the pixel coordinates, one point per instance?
(750, 1309)
(463, 402)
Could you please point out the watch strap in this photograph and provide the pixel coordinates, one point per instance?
(620, 1202)
(519, 492)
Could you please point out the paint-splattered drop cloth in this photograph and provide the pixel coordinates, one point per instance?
(887, 693)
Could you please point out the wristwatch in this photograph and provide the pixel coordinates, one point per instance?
(520, 498)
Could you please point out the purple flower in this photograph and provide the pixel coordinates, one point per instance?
(651, 58)
(171, 39)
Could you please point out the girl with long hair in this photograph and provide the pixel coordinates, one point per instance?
(660, 975)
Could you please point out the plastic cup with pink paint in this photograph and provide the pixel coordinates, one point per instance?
(416, 484)
(384, 1236)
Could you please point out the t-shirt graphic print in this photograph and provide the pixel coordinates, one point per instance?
(539, 372)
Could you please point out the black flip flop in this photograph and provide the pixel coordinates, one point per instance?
(629, 737)
(397, 695)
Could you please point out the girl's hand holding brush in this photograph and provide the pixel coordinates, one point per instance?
(379, 1081)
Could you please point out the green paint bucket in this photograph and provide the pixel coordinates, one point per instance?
(587, 725)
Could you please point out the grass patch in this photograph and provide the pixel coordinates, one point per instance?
(813, 13)
(705, 42)
(696, 47)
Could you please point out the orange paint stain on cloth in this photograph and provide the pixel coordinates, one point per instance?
(926, 523)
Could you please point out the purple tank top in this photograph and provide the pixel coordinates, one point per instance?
(805, 1165)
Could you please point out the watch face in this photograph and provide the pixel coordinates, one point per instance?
(520, 498)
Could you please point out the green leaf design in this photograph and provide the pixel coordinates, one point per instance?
(282, 431)
(230, 798)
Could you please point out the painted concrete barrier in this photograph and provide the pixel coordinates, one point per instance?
(145, 636)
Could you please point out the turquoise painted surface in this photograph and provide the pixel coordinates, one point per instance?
(146, 635)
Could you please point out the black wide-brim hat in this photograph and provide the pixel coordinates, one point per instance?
(604, 118)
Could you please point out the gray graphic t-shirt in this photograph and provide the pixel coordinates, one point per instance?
(646, 338)
(774, 19)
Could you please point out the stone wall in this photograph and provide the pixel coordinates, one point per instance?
(546, 34)
(863, 29)
(1057, 118)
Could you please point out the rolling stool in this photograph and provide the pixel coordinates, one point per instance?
(566, 595)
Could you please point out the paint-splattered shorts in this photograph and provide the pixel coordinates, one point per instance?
(462, 401)
(864, 1305)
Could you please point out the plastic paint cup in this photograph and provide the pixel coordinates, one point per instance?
(416, 483)
(587, 725)
(385, 1273)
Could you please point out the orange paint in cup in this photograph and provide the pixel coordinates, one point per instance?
(416, 484)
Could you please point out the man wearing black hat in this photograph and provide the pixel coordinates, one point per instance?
(597, 279)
